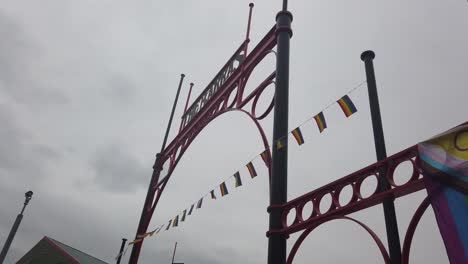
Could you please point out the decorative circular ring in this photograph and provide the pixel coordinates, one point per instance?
(234, 90)
(319, 201)
(391, 172)
(359, 185)
(255, 101)
(338, 194)
(455, 140)
(300, 211)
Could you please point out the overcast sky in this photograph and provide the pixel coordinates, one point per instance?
(86, 88)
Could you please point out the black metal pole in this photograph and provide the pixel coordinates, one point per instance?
(14, 229)
(172, 113)
(157, 167)
(173, 255)
(279, 177)
(388, 205)
(121, 250)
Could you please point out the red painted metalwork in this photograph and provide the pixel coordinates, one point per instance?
(358, 202)
(412, 228)
(218, 104)
(186, 105)
(374, 236)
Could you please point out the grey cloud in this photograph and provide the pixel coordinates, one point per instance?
(107, 72)
(17, 153)
(117, 170)
(20, 67)
(121, 90)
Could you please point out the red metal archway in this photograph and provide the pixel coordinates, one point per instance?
(225, 93)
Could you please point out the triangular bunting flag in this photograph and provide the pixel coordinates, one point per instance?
(191, 209)
(213, 196)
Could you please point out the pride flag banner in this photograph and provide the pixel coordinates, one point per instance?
(169, 225)
(213, 196)
(252, 171)
(264, 156)
(182, 219)
(160, 228)
(223, 189)
(191, 209)
(444, 162)
(280, 143)
(135, 241)
(298, 136)
(347, 106)
(199, 204)
(320, 120)
(237, 177)
(176, 221)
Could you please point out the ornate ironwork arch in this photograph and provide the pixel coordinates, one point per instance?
(225, 93)
(304, 234)
(412, 228)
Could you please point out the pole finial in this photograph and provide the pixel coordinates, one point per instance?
(182, 75)
(368, 54)
(251, 5)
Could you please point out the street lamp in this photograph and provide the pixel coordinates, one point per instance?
(28, 196)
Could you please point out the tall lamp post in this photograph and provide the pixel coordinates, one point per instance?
(28, 196)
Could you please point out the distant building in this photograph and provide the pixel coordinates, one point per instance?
(51, 251)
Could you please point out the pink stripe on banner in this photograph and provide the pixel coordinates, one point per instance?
(443, 157)
(447, 228)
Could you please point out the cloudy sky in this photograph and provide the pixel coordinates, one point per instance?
(86, 88)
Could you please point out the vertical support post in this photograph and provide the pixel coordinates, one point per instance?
(279, 179)
(146, 212)
(173, 255)
(186, 106)
(172, 113)
(388, 205)
(240, 91)
(121, 250)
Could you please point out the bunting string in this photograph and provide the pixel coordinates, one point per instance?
(346, 105)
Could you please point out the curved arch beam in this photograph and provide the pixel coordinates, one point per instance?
(374, 236)
(176, 162)
(412, 228)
